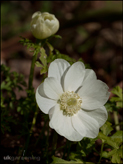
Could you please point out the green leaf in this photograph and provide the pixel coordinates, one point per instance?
(74, 156)
(119, 104)
(57, 36)
(50, 46)
(116, 158)
(106, 128)
(119, 101)
(57, 160)
(120, 151)
(108, 140)
(116, 155)
(117, 137)
(38, 64)
(43, 70)
(110, 106)
(117, 91)
(43, 57)
(115, 99)
(43, 60)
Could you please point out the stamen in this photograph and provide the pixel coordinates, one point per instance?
(70, 103)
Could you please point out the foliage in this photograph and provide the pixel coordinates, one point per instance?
(25, 106)
(11, 81)
(119, 99)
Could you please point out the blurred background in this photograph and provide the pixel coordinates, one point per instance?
(91, 30)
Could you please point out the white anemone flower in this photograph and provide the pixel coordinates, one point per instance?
(44, 25)
(74, 100)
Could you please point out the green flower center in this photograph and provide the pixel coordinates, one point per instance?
(70, 103)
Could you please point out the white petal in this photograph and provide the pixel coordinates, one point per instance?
(94, 94)
(100, 115)
(52, 88)
(51, 111)
(74, 77)
(44, 104)
(78, 125)
(90, 103)
(91, 125)
(89, 76)
(63, 125)
(58, 68)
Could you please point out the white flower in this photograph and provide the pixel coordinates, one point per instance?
(74, 100)
(44, 25)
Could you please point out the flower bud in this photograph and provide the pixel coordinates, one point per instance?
(44, 25)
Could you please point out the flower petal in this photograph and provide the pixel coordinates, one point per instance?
(51, 111)
(78, 125)
(52, 88)
(89, 76)
(94, 94)
(63, 125)
(74, 77)
(57, 68)
(91, 125)
(44, 104)
(100, 115)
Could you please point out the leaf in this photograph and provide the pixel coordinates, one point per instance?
(117, 137)
(57, 160)
(108, 140)
(116, 158)
(43, 60)
(119, 104)
(50, 46)
(110, 106)
(116, 155)
(115, 99)
(120, 151)
(43, 57)
(119, 101)
(105, 154)
(38, 64)
(74, 156)
(43, 70)
(57, 36)
(117, 91)
(106, 128)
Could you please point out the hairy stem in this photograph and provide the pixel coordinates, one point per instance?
(32, 70)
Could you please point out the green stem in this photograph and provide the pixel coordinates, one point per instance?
(32, 70)
(34, 120)
(116, 120)
(29, 88)
(101, 151)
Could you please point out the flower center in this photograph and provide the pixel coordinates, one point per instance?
(70, 103)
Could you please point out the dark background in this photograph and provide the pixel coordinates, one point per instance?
(91, 30)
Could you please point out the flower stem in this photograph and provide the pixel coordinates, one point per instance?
(34, 120)
(101, 151)
(32, 70)
(116, 121)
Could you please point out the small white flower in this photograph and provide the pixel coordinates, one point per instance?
(74, 100)
(44, 25)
